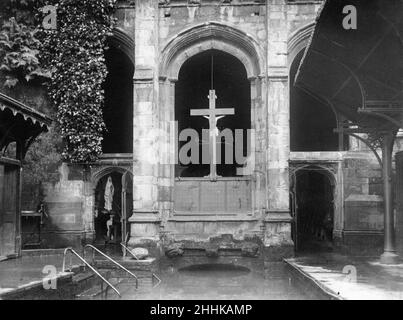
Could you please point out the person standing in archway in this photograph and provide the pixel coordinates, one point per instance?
(108, 196)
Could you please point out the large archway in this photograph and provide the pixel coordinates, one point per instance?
(118, 106)
(228, 76)
(312, 121)
(233, 193)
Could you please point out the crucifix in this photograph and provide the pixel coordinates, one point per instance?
(213, 115)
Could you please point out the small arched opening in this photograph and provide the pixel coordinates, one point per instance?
(113, 207)
(314, 209)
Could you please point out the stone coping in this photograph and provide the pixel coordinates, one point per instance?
(4, 292)
(351, 277)
(307, 277)
(212, 218)
(41, 252)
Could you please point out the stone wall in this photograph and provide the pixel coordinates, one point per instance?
(363, 203)
(64, 204)
(265, 36)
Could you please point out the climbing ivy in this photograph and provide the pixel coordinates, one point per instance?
(75, 54)
(19, 53)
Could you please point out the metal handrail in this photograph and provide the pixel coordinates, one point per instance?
(135, 257)
(88, 265)
(94, 249)
(130, 251)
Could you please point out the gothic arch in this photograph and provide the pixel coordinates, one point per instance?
(211, 35)
(299, 40)
(102, 172)
(123, 41)
(224, 38)
(328, 170)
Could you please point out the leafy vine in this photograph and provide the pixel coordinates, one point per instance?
(75, 54)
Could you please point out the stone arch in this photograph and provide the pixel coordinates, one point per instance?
(123, 41)
(96, 175)
(327, 171)
(99, 174)
(208, 36)
(228, 39)
(333, 174)
(299, 40)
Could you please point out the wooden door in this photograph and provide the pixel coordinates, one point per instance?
(9, 193)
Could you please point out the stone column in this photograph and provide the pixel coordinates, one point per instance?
(277, 238)
(88, 206)
(389, 255)
(145, 220)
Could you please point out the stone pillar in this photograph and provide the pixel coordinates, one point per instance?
(145, 221)
(277, 238)
(389, 255)
(399, 202)
(277, 222)
(88, 206)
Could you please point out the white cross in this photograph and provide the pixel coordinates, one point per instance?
(213, 115)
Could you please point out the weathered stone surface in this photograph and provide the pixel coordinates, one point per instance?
(174, 250)
(141, 253)
(250, 250)
(212, 252)
(265, 36)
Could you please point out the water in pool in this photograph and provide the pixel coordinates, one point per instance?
(218, 282)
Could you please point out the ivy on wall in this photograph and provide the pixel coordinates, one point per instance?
(19, 44)
(75, 54)
(69, 60)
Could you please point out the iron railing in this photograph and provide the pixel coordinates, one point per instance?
(88, 265)
(94, 249)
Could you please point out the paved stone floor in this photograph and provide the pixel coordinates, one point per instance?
(352, 278)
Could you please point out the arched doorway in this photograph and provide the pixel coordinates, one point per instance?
(214, 69)
(112, 209)
(313, 190)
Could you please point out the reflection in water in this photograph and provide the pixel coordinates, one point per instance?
(221, 282)
(205, 270)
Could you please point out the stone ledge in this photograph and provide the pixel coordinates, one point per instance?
(211, 218)
(312, 282)
(7, 292)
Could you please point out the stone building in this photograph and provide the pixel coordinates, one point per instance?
(306, 183)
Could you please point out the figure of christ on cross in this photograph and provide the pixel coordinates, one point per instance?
(213, 115)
